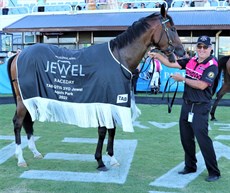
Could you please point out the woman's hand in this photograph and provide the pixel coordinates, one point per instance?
(154, 55)
(178, 77)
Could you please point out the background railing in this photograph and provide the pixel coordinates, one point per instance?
(142, 4)
(71, 6)
(52, 8)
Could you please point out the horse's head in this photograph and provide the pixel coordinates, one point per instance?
(166, 39)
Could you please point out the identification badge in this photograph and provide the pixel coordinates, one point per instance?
(190, 117)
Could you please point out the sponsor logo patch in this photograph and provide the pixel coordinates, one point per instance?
(122, 98)
(211, 75)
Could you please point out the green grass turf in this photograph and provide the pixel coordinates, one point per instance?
(158, 151)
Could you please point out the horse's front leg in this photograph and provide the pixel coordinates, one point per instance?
(28, 126)
(110, 147)
(98, 153)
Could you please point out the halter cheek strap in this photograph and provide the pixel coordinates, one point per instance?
(170, 48)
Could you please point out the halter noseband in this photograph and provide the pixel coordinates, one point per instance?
(170, 48)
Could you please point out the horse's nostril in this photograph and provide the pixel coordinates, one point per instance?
(180, 52)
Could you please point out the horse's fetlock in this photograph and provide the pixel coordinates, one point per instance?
(110, 153)
(98, 157)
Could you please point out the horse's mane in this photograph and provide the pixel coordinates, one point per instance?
(221, 66)
(134, 31)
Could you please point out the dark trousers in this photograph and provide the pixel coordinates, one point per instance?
(197, 129)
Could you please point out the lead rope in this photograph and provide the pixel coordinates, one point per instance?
(170, 104)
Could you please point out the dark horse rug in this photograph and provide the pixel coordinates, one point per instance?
(86, 87)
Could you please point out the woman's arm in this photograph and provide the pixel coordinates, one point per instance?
(164, 60)
(197, 84)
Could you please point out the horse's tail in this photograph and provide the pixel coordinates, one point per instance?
(10, 77)
(221, 67)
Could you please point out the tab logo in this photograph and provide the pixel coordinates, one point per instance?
(122, 98)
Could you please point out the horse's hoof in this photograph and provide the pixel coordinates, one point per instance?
(22, 165)
(102, 169)
(114, 162)
(213, 119)
(39, 156)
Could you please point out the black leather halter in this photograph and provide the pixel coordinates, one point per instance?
(165, 29)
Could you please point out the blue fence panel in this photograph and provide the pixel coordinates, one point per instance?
(5, 87)
(165, 74)
(144, 78)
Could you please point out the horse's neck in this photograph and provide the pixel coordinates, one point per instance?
(131, 55)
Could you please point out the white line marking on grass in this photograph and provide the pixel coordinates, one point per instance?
(224, 124)
(104, 177)
(226, 127)
(80, 140)
(9, 150)
(66, 156)
(6, 137)
(223, 137)
(163, 125)
(124, 150)
(174, 180)
(138, 124)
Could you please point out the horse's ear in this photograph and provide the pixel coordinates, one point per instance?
(163, 11)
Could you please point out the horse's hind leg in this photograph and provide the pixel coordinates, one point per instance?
(224, 89)
(98, 153)
(110, 147)
(28, 126)
(17, 121)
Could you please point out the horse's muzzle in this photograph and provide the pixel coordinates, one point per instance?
(171, 58)
(179, 51)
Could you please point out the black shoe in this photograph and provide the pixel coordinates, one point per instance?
(212, 178)
(186, 171)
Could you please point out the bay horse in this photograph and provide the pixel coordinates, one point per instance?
(223, 66)
(127, 49)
